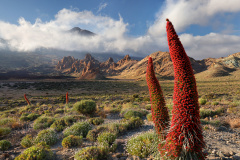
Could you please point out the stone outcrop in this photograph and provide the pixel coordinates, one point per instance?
(90, 68)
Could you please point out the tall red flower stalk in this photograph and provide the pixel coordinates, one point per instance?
(184, 139)
(27, 99)
(67, 98)
(160, 115)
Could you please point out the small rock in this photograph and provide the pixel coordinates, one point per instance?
(214, 152)
(221, 128)
(229, 154)
(236, 156)
(136, 158)
(12, 157)
(220, 154)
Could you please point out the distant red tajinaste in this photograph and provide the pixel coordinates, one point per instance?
(67, 98)
(160, 115)
(184, 138)
(27, 99)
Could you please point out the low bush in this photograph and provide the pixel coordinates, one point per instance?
(148, 107)
(143, 145)
(62, 123)
(106, 137)
(215, 103)
(27, 141)
(206, 113)
(77, 129)
(29, 117)
(149, 117)
(132, 113)
(215, 123)
(96, 120)
(6, 121)
(4, 145)
(93, 134)
(37, 152)
(49, 136)
(134, 122)
(43, 122)
(209, 113)
(202, 101)
(92, 153)
(59, 111)
(85, 106)
(4, 131)
(72, 141)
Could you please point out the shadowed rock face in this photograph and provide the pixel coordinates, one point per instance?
(81, 32)
(90, 68)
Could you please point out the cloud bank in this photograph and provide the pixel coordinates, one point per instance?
(112, 35)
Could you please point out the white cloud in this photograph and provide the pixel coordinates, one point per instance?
(183, 13)
(112, 35)
(210, 45)
(102, 6)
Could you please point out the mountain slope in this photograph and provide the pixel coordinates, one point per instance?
(127, 68)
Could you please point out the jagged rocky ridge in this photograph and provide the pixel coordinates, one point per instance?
(126, 68)
(90, 68)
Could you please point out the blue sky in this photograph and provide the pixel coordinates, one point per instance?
(207, 28)
(138, 13)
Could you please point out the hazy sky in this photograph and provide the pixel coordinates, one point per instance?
(207, 28)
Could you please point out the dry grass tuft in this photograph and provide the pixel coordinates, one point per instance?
(234, 123)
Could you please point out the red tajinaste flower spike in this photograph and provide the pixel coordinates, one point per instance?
(67, 98)
(27, 99)
(160, 115)
(184, 138)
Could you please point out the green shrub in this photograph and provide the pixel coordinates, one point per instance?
(202, 101)
(43, 122)
(206, 113)
(72, 141)
(62, 123)
(33, 116)
(132, 113)
(219, 111)
(148, 107)
(37, 152)
(209, 113)
(92, 153)
(135, 122)
(85, 106)
(23, 118)
(6, 121)
(49, 136)
(93, 134)
(143, 145)
(59, 111)
(149, 117)
(4, 145)
(215, 123)
(146, 99)
(4, 131)
(96, 121)
(106, 137)
(215, 103)
(79, 117)
(27, 141)
(29, 117)
(77, 129)
(135, 96)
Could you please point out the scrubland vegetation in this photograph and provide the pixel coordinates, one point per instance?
(56, 130)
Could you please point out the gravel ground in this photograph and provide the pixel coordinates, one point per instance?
(221, 143)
